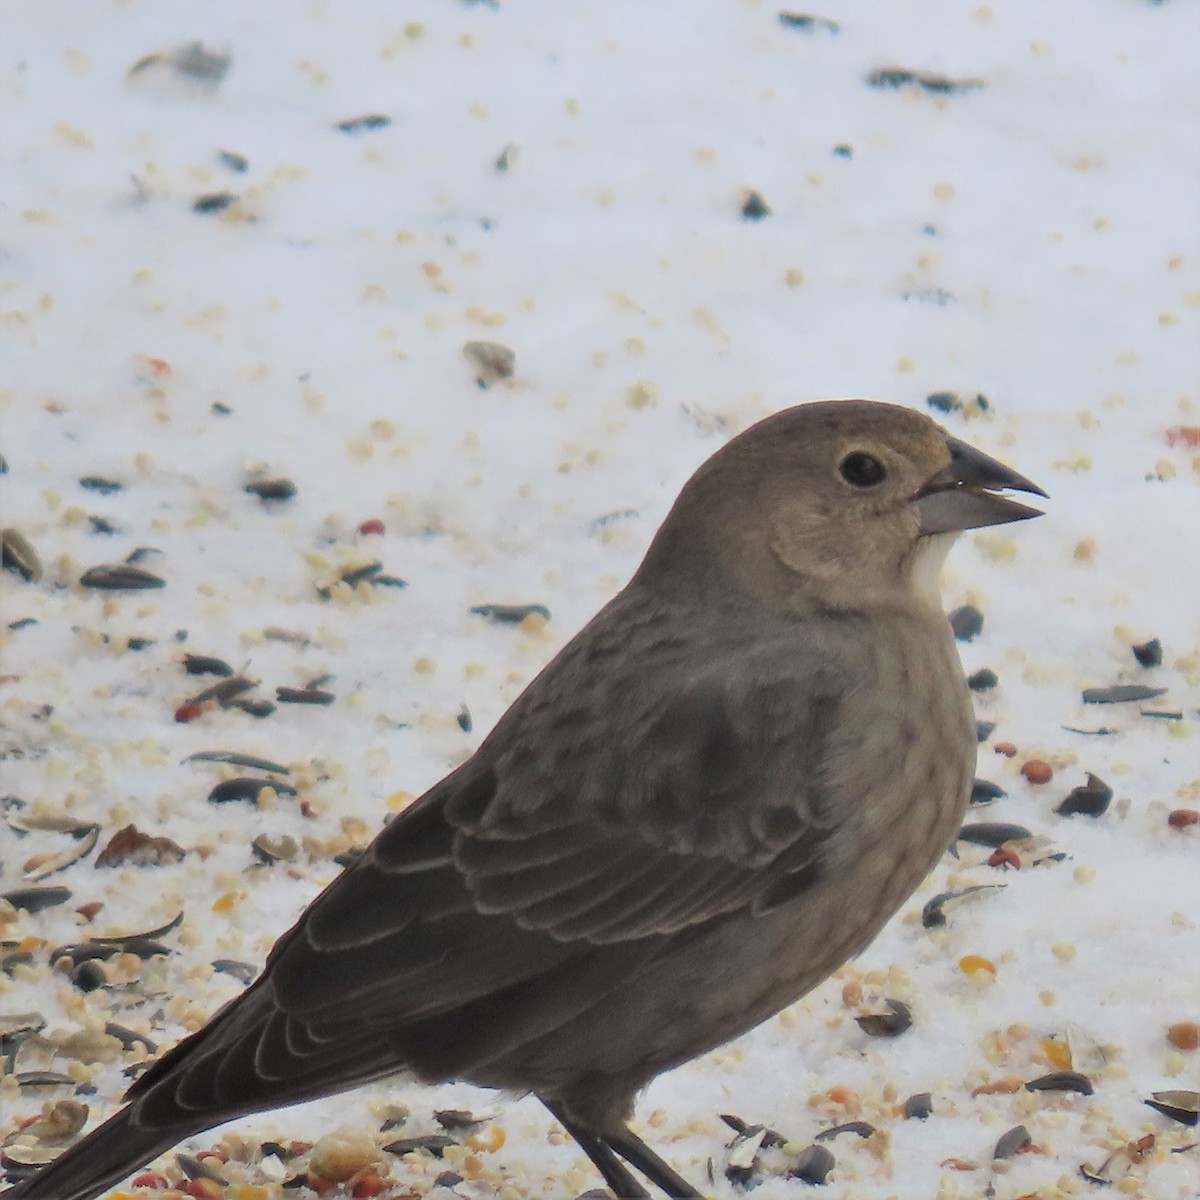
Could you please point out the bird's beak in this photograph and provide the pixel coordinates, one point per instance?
(965, 494)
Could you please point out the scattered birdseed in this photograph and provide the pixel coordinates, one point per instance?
(245, 972)
(36, 899)
(1180, 1105)
(754, 207)
(236, 759)
(807, 23)
(193, 60)
(742, 1161)
(1012, 1142)
(1037, 771)
(510, 614)
(933, 914)
(918, 1107)
(214, 202)
(269, 849)
(431, 1143)
(889, 1024)
(18, 555)
(929, 81)
(271, 489)
(290, 695)
(1122, 693)
(1184, 1035)
(983, 791)
(1061, 1081)
(1149, 654)
(365, 124)
(966, 622)
(490, 361)
(1090, 799)
(120, 577)
(983, 680)
(199, 664)
(992, 833)
(233, 161)
(131, 846)
(246, 789)
(812, 1165)
(223, 692)
(96, 483)
(506, 159)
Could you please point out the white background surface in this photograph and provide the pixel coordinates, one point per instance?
(1055, 209)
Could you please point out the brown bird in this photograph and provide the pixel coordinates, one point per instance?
(713, 796)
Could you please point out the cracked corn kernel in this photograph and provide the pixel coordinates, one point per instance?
(976, 966)
(1063, 951)
(228, 900)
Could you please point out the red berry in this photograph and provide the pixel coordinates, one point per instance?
(1181, 818)
(373, 526)
(188, 712)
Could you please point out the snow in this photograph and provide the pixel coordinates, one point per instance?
(1033, 240)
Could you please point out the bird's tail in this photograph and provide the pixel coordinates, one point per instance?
(108, 1154)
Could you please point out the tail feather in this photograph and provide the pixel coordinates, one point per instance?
(106, 1156)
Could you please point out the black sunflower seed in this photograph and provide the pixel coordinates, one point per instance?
(510, 614)
(202, 664)
(966, 622)
(120, 577)
(1090, 799)
(271, 489)
(1010, 1143)
(889, 1024)
(813, 1165)
(96, 483)
(1061, 1081)
(1122, 693)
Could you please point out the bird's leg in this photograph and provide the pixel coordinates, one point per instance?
(616, 1174)
(637, 1154)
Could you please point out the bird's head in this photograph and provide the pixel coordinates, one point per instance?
(845, 504)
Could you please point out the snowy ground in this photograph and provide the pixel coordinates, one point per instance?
(1013, 215)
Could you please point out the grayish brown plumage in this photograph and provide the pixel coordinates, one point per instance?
(717, 793)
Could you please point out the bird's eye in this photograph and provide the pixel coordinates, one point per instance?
(862, 470)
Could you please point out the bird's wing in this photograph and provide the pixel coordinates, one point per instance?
(542, 872)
